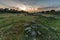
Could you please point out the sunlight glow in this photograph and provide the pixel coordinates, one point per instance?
(23, 7)
(27, 8)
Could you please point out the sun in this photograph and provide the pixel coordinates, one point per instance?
(23, 8)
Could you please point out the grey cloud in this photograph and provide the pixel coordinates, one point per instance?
(33, 3)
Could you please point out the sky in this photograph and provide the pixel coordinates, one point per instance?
(45, 4)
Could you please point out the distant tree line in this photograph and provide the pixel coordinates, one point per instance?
(51, 12)
(7, 10)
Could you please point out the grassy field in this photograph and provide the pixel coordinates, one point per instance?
(12, 25)
(48, 20)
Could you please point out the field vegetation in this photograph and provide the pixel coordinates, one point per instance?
(29, 26)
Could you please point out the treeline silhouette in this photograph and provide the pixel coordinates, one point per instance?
(7, 10)
(51, 12)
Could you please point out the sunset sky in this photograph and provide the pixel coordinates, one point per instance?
(23, 4)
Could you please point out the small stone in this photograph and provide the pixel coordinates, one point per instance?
(39, 33)
(34, 39)
(28, 28)
(33, 33)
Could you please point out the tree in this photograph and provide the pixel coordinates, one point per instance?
(52, 11)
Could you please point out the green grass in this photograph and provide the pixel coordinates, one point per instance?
(50, 22)
(12, 25)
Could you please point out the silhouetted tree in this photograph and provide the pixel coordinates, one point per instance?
(52, 11)
(7, 10)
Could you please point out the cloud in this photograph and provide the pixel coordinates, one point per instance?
(45, 4)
